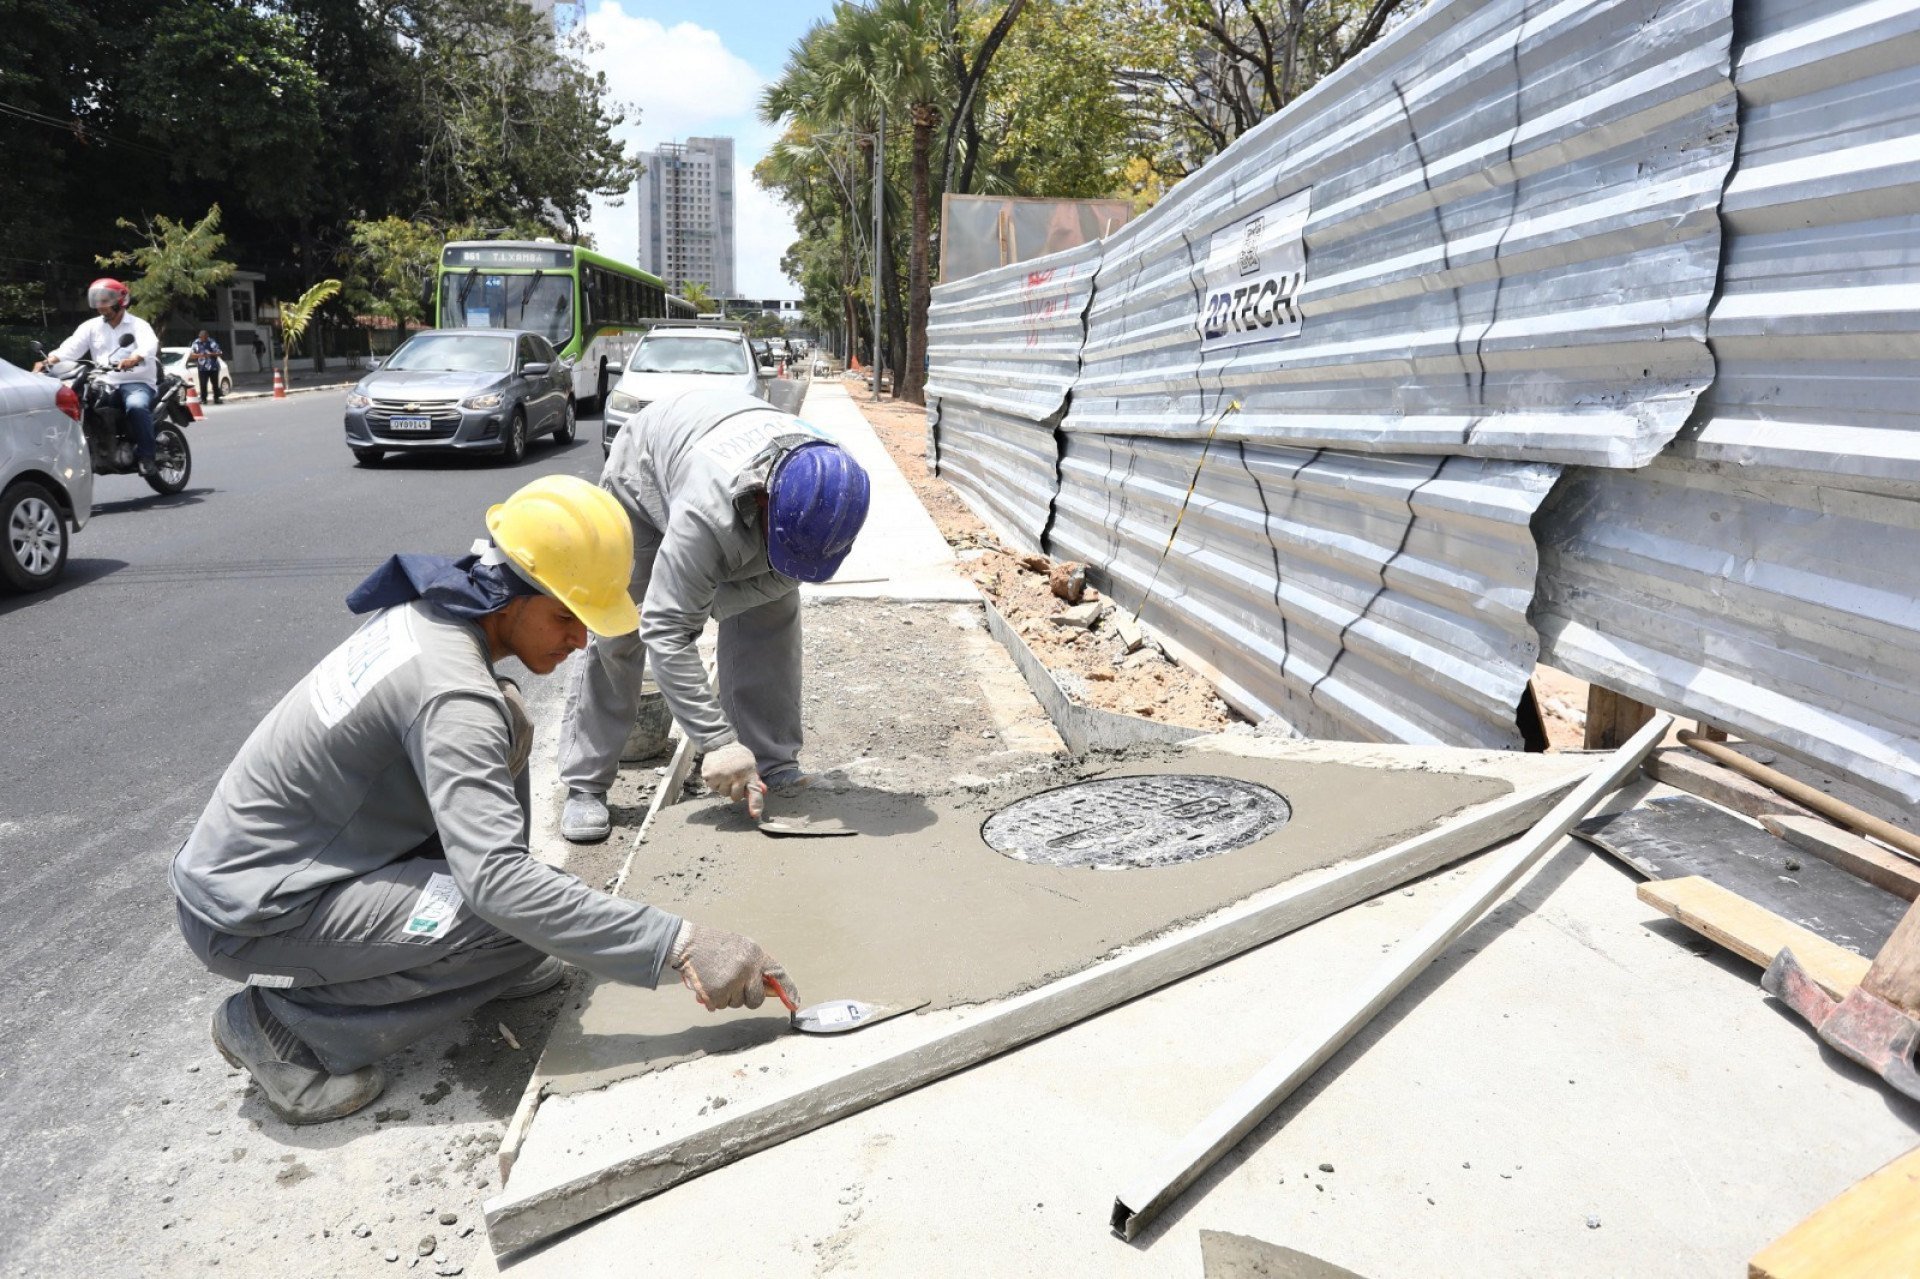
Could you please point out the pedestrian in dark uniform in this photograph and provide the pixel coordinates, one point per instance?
(206, 355)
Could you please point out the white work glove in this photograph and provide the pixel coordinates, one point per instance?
(730, 771)
(726, 970)
(519, 726)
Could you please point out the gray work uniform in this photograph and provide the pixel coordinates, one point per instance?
(364, 859)
(690, 471)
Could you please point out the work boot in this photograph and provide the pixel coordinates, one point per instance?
(546, 974)
(147, 468)
(291, 1079)
(585, 819)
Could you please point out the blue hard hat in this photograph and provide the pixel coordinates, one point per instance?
(816, 502)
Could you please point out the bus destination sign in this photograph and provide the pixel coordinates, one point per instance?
(495, 257)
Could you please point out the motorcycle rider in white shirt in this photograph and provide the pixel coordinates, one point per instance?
(132, 371)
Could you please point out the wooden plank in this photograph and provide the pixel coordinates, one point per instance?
(1683, 770)
(1677, 835)
(520, 1219)
(1612, 718)
(1328, 1030)
(1852, 853)
(1753, 932)
(1810, 797)
(1871, 1230)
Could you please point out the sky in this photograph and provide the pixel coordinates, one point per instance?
(695, 68)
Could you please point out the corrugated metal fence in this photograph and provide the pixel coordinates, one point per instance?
(1763, 572)
(1485, 251)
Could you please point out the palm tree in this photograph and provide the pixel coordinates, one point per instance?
(294, 319)
(871, 60)
(698, 294)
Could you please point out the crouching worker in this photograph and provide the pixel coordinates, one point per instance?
(363, 866)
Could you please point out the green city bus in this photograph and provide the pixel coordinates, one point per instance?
(590, 307)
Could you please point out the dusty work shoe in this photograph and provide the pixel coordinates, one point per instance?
(585, 820)
(291, 1079)
(545, 975)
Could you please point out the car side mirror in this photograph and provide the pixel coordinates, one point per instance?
(766, 368)
(535, 369)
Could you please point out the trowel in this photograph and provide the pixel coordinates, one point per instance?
(836, 1016)
(793, 825)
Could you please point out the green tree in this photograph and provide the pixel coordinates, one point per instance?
(394, 260)
(225, 88)
(699, 295)
(178, 264)
(296, 316)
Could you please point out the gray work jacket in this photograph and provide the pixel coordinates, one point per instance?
(399, 734)
(690, 470)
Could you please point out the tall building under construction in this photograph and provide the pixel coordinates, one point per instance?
(686, 214)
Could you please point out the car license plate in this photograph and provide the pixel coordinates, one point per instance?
(410, 424)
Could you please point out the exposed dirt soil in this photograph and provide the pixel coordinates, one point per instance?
(1093, 666)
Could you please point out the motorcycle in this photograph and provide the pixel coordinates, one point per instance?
(110, 438)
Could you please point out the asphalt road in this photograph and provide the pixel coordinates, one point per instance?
(128, 689)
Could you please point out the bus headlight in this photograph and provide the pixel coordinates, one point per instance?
(621, 402)
(491, 400)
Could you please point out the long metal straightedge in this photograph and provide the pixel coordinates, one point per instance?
(1254, 1100)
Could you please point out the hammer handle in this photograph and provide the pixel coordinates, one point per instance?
(1895, 975)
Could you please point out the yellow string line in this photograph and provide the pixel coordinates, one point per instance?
(1193, 484)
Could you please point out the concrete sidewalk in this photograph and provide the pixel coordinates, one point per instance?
(900, 553)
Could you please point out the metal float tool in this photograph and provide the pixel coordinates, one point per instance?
(836, 1016)
(1878, 1023)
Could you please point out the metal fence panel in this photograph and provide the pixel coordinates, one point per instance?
(1509, 250)
(1004, 350)
(1763, 576)
(1366, 597)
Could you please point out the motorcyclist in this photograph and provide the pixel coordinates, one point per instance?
(131, 372)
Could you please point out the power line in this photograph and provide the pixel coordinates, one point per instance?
(79, 131)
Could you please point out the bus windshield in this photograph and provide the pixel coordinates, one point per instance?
(540, 303)
(453, 353)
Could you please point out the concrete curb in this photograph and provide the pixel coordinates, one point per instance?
(292, 390)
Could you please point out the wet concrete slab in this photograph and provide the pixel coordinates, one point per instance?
(916, 907)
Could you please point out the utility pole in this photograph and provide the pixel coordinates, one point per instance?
(879, 228)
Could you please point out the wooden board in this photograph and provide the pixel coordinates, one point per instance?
(1612, 718)
(1855, 854)
(1683, 770)
(1677, 835)
(1870, 1231)
(1731, 921)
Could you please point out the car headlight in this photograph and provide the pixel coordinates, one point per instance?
(355, 400)
(621, 402)
(491, 400)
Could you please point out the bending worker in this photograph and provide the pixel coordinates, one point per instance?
(734, 504)
(363, 865)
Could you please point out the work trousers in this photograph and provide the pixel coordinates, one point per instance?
(353, 982)
(758, 668)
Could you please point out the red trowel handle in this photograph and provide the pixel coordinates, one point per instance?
(778, 989)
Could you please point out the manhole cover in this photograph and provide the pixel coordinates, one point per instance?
(1119, 823)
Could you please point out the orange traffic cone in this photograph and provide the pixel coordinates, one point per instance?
(279, 385)
(781, 371)
(193, 403)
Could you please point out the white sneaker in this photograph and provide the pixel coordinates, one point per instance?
(585, 819)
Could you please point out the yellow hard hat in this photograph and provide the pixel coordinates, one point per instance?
(573, 540)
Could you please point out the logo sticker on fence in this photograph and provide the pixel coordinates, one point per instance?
(1253, 276)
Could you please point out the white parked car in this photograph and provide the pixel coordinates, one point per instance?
(46, 481)
(682, 356)
(174, 360)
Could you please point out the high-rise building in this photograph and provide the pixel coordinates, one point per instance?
(686, 214)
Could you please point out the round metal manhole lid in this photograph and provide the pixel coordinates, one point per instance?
(1124, 823)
